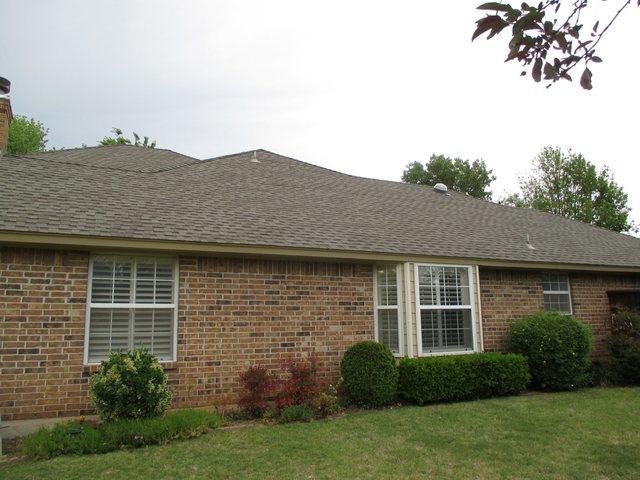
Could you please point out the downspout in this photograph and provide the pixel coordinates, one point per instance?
(407, 309)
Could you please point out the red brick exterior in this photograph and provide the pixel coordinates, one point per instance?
(509, 294)
(232, 313)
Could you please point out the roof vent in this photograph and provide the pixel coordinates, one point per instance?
(254, 159)
(529, 246)
(440, 187)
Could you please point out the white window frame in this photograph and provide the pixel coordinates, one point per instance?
(558, 292)
(397, 307)
(138, 306)
(470, 306)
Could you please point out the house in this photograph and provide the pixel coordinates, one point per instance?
(246, 259)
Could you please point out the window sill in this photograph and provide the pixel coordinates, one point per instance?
(166, 366)
(450, 352)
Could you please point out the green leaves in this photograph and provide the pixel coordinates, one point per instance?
(472, 178)
(565, 183)
(26, 135)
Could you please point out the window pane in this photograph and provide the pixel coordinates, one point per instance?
(153, 329)
(557, 302)
(111, 279)
(446, 330)
(387, 281)
(388, 333)
(443, 285)
(108, 330)
(552, 282)
(154, 280)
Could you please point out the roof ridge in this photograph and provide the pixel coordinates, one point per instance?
(118, 145)
(79, 164)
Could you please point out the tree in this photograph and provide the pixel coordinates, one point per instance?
(120, 139)
(472, 178)
(550, 37)
(26, 135)
(566, 184)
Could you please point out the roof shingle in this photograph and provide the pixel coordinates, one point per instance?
(132, 192)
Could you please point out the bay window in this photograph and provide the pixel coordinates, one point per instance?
(444, 310)
(132, 302)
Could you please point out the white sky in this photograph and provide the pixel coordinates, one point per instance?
(360, 87)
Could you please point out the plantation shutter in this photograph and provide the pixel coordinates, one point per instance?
(132, 305)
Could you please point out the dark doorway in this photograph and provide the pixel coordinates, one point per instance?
(624, 301)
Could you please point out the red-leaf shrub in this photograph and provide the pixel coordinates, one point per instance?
(301, 385)
(257, 384)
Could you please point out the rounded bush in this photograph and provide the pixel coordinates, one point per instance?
(370, 374)
(130, 385)
(557, 347)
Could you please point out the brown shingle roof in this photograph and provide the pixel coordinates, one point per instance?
(132, 192)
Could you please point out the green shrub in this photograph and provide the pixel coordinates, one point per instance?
(370, 374)
(557, 347)
(82, 438)
(624, 346)
(130, 385)
(462, 377)
(296, 413)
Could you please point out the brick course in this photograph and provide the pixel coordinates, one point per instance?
(509, 294)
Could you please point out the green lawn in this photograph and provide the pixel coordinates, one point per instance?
(589, 434)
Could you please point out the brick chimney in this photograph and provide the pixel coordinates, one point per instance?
(5, 114)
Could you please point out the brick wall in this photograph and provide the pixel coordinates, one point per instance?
(509, 294)
(232, 313)
(237, 313)
(42, 315)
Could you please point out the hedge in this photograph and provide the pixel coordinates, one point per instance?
(83, 438)
(462, 377)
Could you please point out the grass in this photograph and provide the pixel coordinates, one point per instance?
(593, 433)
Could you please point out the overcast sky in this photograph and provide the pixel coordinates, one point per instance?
(360, 87)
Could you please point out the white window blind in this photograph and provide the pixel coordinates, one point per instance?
(556, 292)
(132, 304)
(444, 311)
(387, 310)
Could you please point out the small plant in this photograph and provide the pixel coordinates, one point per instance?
(370, 374)
(257, 385)
(301, 384)
(296, 413)
(557, 347)
(82, 438)
(624, 346)
(326, 403)
(130, 385)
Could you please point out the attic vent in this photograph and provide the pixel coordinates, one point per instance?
(440, 187)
